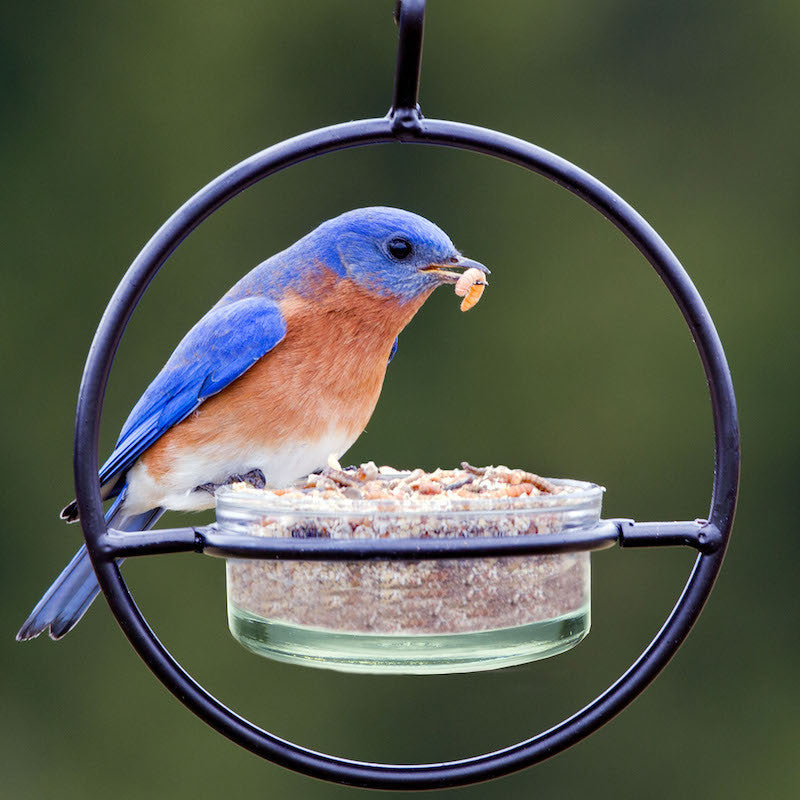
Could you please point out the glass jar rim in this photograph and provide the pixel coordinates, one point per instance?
(583, 495)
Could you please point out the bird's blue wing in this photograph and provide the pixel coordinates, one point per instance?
(394, 349)
(222, 346)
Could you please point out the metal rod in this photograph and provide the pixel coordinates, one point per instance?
(226, 546)
(700, 534)
(410, 17)
(124, 544)
(211, 541)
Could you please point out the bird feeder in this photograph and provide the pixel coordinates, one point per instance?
(405, 124)
(411, 617)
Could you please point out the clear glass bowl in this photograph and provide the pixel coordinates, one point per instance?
(450, 615)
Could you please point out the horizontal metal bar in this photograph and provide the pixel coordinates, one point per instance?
(125, 544)
(699, 534)
(603, 535)
(209, 540)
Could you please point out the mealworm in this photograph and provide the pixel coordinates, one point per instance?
(467, 467)
(470, 286)
(540, 483)
(458, 484)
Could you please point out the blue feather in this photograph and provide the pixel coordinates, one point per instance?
(222, 346)
(73, 591)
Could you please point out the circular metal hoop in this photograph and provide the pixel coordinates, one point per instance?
(95, 377)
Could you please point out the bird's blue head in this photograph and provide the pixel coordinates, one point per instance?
(390, 251)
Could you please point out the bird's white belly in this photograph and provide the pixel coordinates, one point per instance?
(215, 463)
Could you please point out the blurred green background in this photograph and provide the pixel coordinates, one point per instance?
(575, 364)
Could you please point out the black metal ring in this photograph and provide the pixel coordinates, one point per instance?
(162, 663)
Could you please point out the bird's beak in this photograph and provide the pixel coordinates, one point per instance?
(444, 271)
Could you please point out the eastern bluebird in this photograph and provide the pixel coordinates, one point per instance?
(282, 374)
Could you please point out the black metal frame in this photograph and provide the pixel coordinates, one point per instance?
(405, 123)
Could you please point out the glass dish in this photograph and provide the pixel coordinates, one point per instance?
(449, 615)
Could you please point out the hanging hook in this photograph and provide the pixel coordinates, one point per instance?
(410, 18)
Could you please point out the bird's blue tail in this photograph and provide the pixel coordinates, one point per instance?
(73, 591)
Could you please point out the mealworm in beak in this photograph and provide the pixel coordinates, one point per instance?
(470, 286)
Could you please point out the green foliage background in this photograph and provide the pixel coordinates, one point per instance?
(576, 363)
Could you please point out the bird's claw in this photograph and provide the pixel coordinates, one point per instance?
(254, 478)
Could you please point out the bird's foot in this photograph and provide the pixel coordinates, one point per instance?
(254, 478)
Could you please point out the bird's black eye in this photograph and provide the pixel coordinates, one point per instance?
(400, 248)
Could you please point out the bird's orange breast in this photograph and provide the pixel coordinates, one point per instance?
(325, 375)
